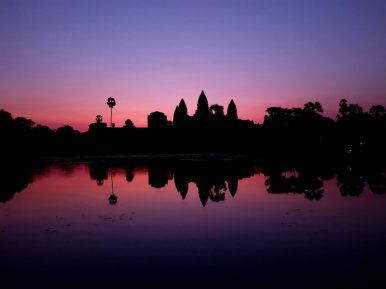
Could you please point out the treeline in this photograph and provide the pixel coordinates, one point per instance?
(305, 131)
(287, 134)
(23, 138)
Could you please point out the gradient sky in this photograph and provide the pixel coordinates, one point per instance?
(61, 60)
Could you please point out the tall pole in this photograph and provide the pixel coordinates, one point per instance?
(112, 184)
(111, 118)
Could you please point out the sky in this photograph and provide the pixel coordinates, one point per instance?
(61, 60)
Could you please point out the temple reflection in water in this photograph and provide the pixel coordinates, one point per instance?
(212, 180)
(152, 218)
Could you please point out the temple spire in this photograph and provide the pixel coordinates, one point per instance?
(202, 106)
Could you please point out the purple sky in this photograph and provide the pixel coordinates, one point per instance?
(61, 60)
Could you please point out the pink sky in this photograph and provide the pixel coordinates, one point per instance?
(60, 61)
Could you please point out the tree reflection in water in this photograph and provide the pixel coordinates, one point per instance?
(113, 199)
(350, 182)
(16, 177)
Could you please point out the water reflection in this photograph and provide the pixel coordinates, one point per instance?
(350, 183)
(377, 184)
(17, 177)
(157, 231)
(305, 182)
(212, 180)
(129, 174)
(159, 176)
(99, 172)
(14, 181)
(113, 199)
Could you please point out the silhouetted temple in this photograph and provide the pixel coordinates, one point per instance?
(205, 117)
(159, 176)
(98, 125)
(209, 118)
(180, 115)
(202, 110)
(232, 111)
(157, 120)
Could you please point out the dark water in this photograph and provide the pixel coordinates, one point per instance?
(191, 227)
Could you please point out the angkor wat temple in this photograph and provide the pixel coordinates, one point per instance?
(205, 116)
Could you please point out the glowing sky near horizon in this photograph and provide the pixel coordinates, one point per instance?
(61, 60)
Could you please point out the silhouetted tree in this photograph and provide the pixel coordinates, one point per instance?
(343, 108)
(111, 103)
(42, 131)
(66, 131)
(348, 110)
(278, 116)
(41, 140)
(67, 140)
(232, 111)
(24, 123)
(129, 124)
(6, 119)
(377, 110)
(313, 106)
(353, 126)
(217, 111)
(5, 115)
(98, 118)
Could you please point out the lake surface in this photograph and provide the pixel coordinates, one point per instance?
(190, 226)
